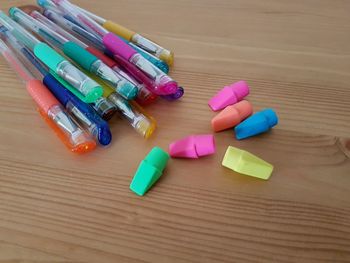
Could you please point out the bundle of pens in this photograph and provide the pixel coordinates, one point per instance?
(88, 69)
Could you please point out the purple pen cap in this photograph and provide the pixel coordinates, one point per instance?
(175, 96)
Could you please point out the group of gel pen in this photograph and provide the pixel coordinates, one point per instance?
(81, 69)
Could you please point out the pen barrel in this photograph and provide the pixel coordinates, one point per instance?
(119, 30)
(143, 70)
(40, 94)
(81, 56)
(75, 139)
(76, 81)
(107, 60)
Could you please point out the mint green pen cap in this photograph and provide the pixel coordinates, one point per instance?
(149, 171)
(84, 58)
(48, 56)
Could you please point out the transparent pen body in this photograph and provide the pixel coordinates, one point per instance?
(144, 125)
(66, 129)
(155, 79)
(70, 134)
(77, 53)
(77, 79)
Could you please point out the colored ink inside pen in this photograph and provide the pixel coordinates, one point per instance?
(73, 50)
(82, 86)
(144, 96)
(80, 111)
(50, 109)
(137, 39)
(154, 78)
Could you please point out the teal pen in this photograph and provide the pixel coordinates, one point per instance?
(81, 85)
(77, 52)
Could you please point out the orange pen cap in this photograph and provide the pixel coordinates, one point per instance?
(232, 115)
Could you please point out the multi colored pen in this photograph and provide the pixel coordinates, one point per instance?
(144, 96)
(80, 85)
(142, 122)
(137, 39)
(50, 109)
(156, 80)
(75, 27)
(77, 52)
(83, 113)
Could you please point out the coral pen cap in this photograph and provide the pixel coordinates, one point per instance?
(232, 115)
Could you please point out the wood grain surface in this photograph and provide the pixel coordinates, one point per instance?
(58, 207)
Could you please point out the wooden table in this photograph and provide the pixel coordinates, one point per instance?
(58, 207)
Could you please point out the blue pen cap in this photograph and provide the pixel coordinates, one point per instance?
(258, 123)
(270, 116)
(83, 113)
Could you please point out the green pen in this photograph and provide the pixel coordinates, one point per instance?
(75, 50)
(81, 85)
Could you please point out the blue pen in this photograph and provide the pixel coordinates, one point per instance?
(83, 113)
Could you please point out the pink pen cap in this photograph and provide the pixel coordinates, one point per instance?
(193, 146)
(41, 95)
(229, 95)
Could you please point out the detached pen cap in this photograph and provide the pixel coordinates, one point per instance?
(149, 171)
(229, 95)
(194, 146)
(259, 123)
(246, 163)
(232, 115)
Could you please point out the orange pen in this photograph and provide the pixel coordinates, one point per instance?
(71, 135)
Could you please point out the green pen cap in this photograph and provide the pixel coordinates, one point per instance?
(149, 171)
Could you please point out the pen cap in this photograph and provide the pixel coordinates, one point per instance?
(231, 116)
(119, 30)
(270, 116)
(48, 56)
(84, 58)
(205, 144)
(229, 95)
(41, 95)
(117, 46)
(157, 158)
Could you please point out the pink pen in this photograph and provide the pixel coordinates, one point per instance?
(144, 71)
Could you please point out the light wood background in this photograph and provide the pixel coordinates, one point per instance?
(58, 207)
